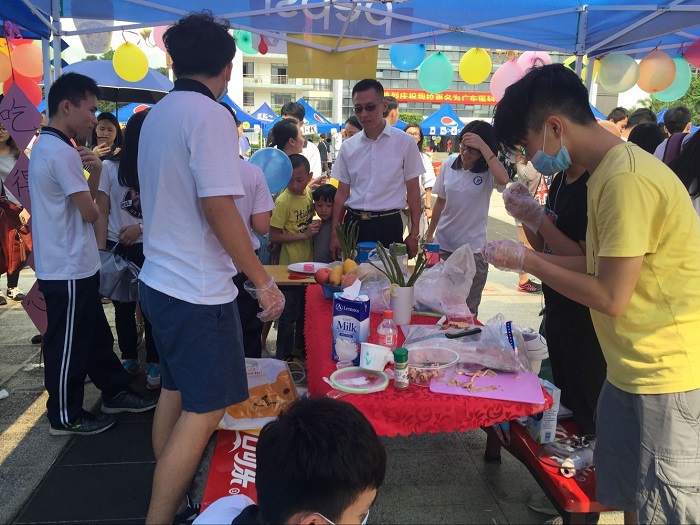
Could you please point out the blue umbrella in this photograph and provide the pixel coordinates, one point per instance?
(150, 89)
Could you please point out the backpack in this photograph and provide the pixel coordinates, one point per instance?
(673, 148)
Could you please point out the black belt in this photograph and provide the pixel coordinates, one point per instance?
(369, 215)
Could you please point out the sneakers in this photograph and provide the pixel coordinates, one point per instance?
(132, 366)
(189, 513)
(87, 424)
(153, 377)
(127, 401)
(15, 294)
(3, 301)
(529, 287)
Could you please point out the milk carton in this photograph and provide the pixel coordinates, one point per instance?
(350, 325)
(542, 427)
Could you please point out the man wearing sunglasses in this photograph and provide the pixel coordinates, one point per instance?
(378, 171)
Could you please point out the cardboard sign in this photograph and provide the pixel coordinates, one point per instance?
(17, 181)
(35, 307)
(19, 116)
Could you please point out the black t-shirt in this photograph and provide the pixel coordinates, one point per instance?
(323, 151)
(249, 516)
(568, 204)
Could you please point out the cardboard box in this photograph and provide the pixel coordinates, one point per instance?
(542, 427)
(350, 326)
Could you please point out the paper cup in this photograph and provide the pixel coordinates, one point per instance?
(401, 303)
(374, 357)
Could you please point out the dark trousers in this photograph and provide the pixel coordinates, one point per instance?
(290, 330)
(248, 308)
(13, 279)
(381, 229)
(578, 365)
(78, 341)
(125, 313)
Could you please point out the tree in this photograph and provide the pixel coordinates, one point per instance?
(411, 118)
(691, 100)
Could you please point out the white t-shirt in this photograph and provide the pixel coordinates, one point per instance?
(223, 510)
(7, 164)
(427, 179)
(467, 196)
(312, 154)
(377, 170)
(185, 154)
(257, 198)
(661, 148)
(64, 244)
(124, 202)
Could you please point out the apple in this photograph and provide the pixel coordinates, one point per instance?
(322, 275)
(348, 280)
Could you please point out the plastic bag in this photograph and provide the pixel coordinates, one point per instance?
(444, 287)
(489, 349)
(118, 277)
(375, 284)
(270, 389)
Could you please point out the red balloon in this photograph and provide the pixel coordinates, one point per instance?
(692, 54)
(263, 46)
(30, 88)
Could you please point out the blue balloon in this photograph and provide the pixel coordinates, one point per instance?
(275, 165)
(406, 57)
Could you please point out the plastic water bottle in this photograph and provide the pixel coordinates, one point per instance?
(400, 250)
(387, 331)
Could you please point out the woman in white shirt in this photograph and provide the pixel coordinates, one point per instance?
(427, 179)
(120, 224)
(463, 188)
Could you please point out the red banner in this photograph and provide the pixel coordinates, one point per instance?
(469, 98)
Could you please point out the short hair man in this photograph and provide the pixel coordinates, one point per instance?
(193, 236)
(391, 115)
(78, 339)
(641, 279)
(640, 116)
(619, 116)
(324, 152)
(378, 173)
(676, 120)
(319, 462)
(296, 111)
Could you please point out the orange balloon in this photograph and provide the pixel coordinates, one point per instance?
(31, 89)
(27, 60)
(657, 71)
(5, 67)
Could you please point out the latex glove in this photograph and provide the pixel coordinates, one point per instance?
(504, 255)
(269, 297)
(517, 188)
(524, 208)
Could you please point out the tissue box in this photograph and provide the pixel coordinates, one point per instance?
(542, 427)
(350, 326)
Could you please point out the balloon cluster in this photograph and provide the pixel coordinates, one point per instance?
(21, 63)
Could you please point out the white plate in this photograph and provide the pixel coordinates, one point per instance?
(299, 267)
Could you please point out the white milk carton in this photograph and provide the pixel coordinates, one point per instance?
(350, 324)
(542, 427)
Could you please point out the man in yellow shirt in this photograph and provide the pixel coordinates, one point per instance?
(641, 279)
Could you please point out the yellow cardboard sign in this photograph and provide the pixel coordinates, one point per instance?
(305, 62)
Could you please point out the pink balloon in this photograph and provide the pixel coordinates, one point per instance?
(158, 36)
(692, 54)
(530, 59)
(507, 74)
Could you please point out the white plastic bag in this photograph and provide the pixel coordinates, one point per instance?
(444, 287)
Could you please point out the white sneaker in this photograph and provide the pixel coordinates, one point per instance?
(2, 299)
(15, 294)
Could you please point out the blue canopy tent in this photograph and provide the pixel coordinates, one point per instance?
(401, 124)
(123, 114)
(265, 114)
(444, 121)
(249, 122)
(311, 118)
(660, 120)
(597, 114)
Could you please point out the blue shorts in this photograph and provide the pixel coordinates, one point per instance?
(200, 349)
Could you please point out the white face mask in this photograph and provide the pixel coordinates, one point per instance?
(364, 521)
(223, 93)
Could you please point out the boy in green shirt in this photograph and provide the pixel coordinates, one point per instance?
(292, 227)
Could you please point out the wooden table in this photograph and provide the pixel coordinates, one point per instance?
(281, 276)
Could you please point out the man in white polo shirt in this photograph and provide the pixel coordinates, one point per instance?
(193, 235)
(378, 172)
(78, 340)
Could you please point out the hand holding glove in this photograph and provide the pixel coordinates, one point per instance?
(504, 255)
(523, 207)
(269, 297)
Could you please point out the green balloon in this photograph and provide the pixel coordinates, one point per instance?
(680, 84)
(244, 42)
(435, 73)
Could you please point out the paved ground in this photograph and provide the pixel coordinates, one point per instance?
(437, 478)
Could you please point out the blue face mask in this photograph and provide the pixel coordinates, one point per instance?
(548, 165)
(223, 94)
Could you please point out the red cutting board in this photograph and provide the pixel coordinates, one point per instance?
(524, 387)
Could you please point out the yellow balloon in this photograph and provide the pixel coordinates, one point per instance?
(130, 63)
(475, 66)
(571, 64)
(5, 67)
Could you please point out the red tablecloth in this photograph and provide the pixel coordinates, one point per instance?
(413, 411)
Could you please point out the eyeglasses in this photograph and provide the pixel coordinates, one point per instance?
(469, 149)
(369, 108)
